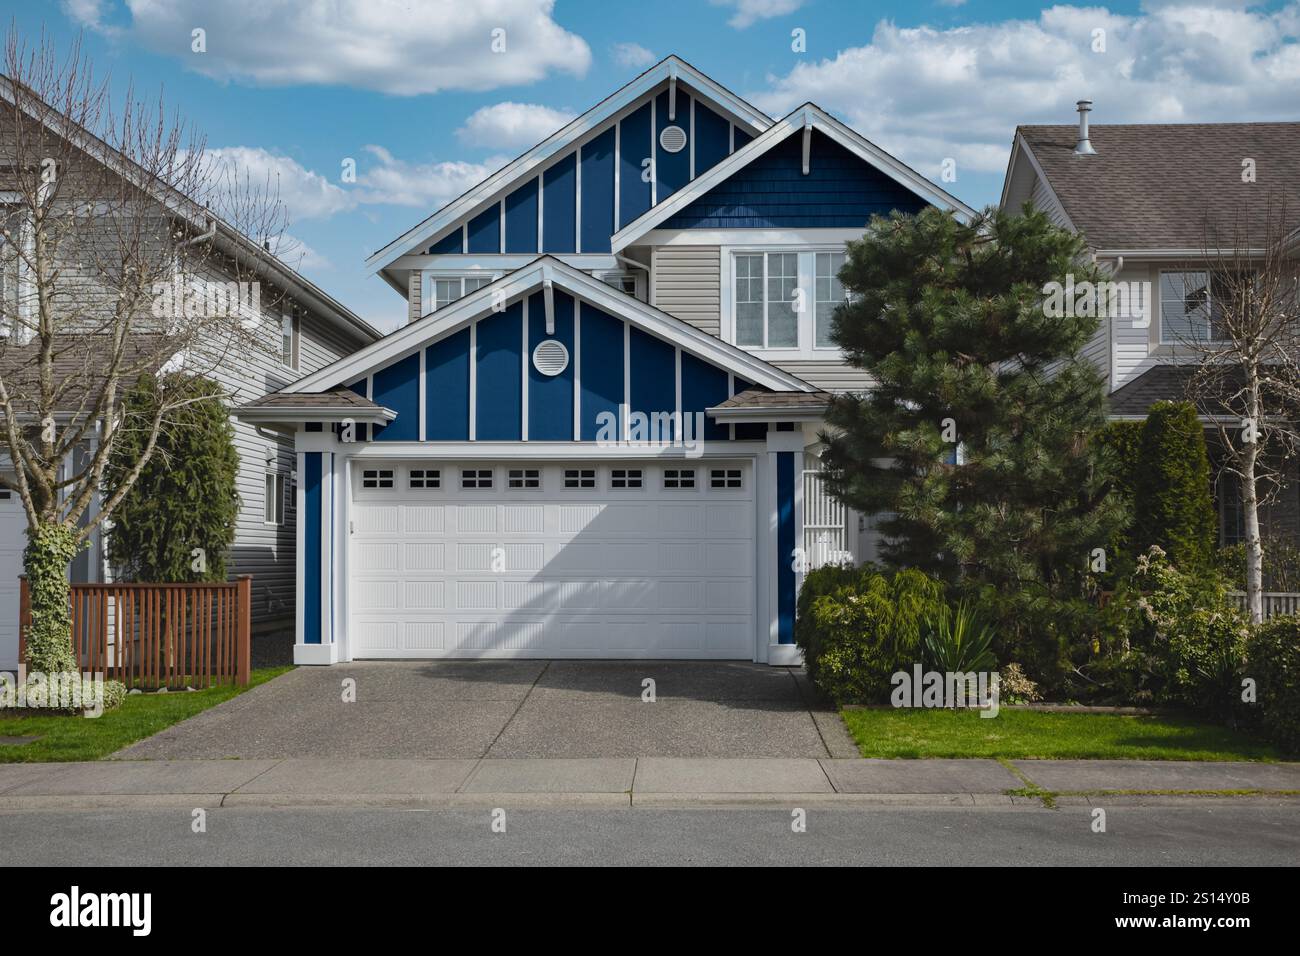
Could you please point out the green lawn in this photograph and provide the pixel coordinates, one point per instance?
(140, 716)
(1023, 734)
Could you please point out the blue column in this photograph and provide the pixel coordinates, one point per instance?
(312, 543)
(785, 578)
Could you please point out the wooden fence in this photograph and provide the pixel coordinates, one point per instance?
(159, 635)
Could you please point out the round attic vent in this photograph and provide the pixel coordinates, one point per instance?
(672, 139)
(550, 357)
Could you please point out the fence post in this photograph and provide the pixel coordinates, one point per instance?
(24, 616)
(244, 598)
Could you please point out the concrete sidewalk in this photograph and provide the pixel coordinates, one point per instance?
(626, 782)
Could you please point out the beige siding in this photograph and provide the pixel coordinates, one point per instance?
(831, 376)
(413, 296)
(1046, 202)
(686, 284)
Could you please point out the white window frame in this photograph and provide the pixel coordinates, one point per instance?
(429, 277)
(21, 331)
(289, 330)
(279, 486)
(1159, 307)
(807, 266)
(610, 276)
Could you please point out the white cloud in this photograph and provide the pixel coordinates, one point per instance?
(633, 55)
(306, 194)
(506, 125)
(298, 255)
(391, 181)
(925, 93)
(89, 14)
(392, 46)
(749, 12)
(951, 3)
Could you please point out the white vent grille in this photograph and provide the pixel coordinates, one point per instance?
(672, 139)
(550, 357)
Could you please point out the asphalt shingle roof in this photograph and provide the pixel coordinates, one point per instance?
(1172, 186)
(760, 398)
(337, 398)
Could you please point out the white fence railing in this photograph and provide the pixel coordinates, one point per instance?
(1276, 603)
(824, 538)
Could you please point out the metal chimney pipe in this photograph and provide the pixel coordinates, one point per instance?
(1083, 147)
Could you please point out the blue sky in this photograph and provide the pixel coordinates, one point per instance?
(410, 90)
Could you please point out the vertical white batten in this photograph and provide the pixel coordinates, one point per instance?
(423, 424)
(618, 142)
(577, 370)
(540, 214)
(627, 380)
(473, 380)
(523, 375)
(577, 201)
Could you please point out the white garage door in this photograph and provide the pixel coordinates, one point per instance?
(576, 559)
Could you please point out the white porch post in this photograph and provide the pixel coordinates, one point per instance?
(780, 443)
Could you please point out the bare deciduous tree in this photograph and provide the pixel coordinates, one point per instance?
(1246, 376)
(122, 252)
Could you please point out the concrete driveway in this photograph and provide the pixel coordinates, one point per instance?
(515, 709)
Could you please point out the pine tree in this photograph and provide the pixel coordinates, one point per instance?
(1172, 505)
(186, 496)
(977, 435)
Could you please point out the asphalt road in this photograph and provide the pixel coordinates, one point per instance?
(1230, 834)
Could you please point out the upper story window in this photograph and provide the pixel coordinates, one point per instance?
(12, 236)
(1187, 309)
(289, 339)
(829, 294)
(629, 283)
(443, 290)
(783, 300)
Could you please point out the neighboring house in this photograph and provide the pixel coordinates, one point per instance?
(299, 330)
(1157, 204)
(478, 482)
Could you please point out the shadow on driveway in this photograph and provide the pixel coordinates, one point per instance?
(511, 709)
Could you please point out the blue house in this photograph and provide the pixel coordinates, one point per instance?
(597, 436)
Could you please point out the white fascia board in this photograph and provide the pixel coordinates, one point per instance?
(568, 136)
(283, 413)
(806, 115)
(495, 262)
(805, 413)
(582, 287)
(750, 237)
(1012, 167)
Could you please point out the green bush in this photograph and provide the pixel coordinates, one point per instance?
(857, 627)
(1172, 506)
(957, 641)
(1273, 652)
(1050, 636)
(1186, 639)
(1121, 444)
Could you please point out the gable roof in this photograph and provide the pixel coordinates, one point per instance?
(537, 275)
(184, 207)
(1169, 187)
(807, 116)
(671, 67)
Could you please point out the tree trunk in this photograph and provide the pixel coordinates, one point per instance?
(1254, 546)
(50, 549)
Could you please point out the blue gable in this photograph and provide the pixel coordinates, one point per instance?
(480, 383)
(840, 190)
(577, 201)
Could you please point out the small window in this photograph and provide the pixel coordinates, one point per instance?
(425, 478)
(580, 477)
(830, 293)
(447, 290)
(625, 478)
(679, 477)
(377, 478)
(273, 500)
(724, 478)
(525, 478)
(476, 478)
(4, 494)
(289, 340)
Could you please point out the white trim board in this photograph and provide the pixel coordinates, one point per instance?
(807, 115)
